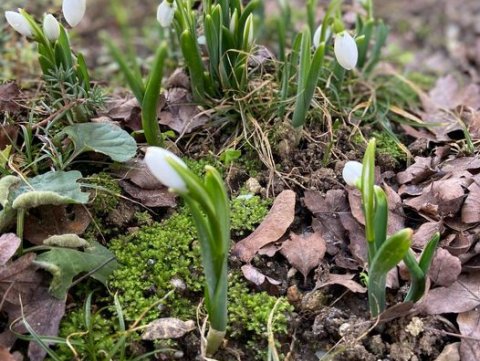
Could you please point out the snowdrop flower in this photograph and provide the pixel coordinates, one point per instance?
(202, 40)
(318, 33)
(51, 28)
(166, 12)
(352, 173)
(18, 23)
(346, 50)
(73, 11)
(157, 159)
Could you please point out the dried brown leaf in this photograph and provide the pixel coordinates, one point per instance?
(5, 355)
(304, 252)
(272, 228)
(253, 275)
(8, 135)
(9, 93)
(396, 216)
(450, 352)
(442, 198)
(469, 325)
(417, 172)
(425, 233)
(445, 268)
(345, 280)
(471, 206)
(45, 221)
(356, 234)
(167, 328)
(9, 243)
(462, 296)
(160, 197)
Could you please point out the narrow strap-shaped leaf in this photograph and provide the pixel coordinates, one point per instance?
(381, 216)
(428, 253)
(194, 63)
(368, 180)
(417, 276)
(381, 35)
(64, 44)
(135, 83)
(363, 48)
(247, 11)
(391, 252)
(150, 124)
(82, 72)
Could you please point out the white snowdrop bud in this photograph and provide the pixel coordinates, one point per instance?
(51, 27)
(18, 23)
(73, 11)
(157, 159)
(346, 50)
(166, 13)
(352, 173)
(318, 33)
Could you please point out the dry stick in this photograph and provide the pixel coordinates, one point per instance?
(64, 109)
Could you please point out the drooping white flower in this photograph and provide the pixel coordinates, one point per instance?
(18, 23)
(157, 159)
(202, 40)
(352, 173)
(318, 33)
(51, 27)
(166, 13)
(346, 50)
(73, 11)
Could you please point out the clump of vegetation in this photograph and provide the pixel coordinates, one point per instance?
(247, 212)
(386, 145)
(104, 193)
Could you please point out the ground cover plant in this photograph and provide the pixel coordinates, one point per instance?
(239, 180)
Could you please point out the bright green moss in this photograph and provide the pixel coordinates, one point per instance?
(386, 145)
(247, 212)
(105, 192)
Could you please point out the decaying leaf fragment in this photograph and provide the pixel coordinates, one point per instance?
(469, 325)
(253, 275)
(167, 328)
(9, 243)
(273, 227)
(304, 252)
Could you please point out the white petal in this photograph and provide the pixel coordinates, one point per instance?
(202, 40)
(352, 173)
(18, 23)
(166, 13)
(51, 28)
(318, 33)
(156, 161)
(346, 50)
(73, 11)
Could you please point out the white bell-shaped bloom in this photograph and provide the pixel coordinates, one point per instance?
(18, 23)
(352, 173)
(51, 27)
(202, 40)
(166, 13)
(157, 159)
(318, 33)
(346, 50)
(73, 11)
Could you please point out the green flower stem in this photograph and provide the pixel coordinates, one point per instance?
(367, 190)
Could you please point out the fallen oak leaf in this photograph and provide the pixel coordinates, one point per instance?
(167, 328)
(345, 280)
(273, 227)
(471, 206)
(445, 268)
(304, 252)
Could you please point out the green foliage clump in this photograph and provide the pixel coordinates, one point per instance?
(386, 145)
(250, 311)
(105, 192)
(247, 212)
(92, 342)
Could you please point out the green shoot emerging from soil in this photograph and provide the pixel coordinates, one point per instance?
(208, 202)
(385, 252)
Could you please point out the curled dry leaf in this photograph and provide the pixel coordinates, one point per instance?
(345, 280)
(356, 233)
(167, 328)
(272, 228)
(160, 197)
(45, 221)
(471, 207)
(425, 233)
(417, 172)
(304, 252)
(258, 278)
(445, 268)
(462, 296)
(9, 243)
(327, 212)
(469, 325)
(442, 198)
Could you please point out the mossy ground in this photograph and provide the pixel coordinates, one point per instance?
(165, 256)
